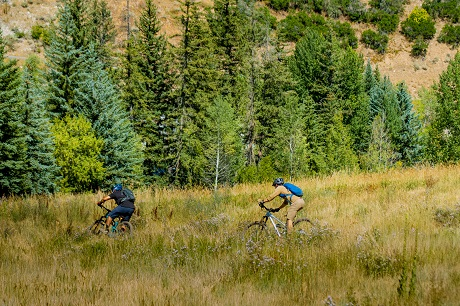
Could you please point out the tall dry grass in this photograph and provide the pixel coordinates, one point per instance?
(378, 239)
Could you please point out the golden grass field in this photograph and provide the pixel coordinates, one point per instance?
(378, 239)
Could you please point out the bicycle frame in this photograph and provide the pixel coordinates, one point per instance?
(276, 222)
(115, 221)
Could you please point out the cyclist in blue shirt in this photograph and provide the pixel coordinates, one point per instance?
(296, 203)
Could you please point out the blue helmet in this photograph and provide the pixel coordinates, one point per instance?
(117, 187)
(278, 181)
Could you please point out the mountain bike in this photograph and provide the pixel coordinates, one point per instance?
(118, 228)
(260, 230)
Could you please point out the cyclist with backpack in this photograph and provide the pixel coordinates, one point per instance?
(291, 195)
(125, 204)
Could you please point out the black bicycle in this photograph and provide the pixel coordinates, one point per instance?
(118, 228)
(259, 230)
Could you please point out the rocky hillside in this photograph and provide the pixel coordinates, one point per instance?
(19, 16)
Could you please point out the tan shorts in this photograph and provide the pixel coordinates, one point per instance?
(294, 208)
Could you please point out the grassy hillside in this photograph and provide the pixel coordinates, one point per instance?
(377, 239)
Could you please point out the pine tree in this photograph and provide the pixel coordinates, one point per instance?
(369, 77)
(228, 25)
(64, 50)
(98, 99)
(13, 145)
(147, 89)
(41, 164)
(101, 30)
(197, 87)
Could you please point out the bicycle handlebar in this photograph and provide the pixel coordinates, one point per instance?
(262, 205)
(102, 206)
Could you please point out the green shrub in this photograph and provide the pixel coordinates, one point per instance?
(40, 32)
(445, 9)
(375, 41)
(450, 34)
(392, 7)
(293, 27)
(37, 31)
(78, 154)
(386, 23)
(279, 5)
(346, 34)
(420, 47)
(356, 11)
(419, 23)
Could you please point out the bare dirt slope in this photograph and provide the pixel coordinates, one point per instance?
(20, 15)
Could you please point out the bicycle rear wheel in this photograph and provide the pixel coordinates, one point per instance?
(255, 233)
(302, 225)
(123, 230)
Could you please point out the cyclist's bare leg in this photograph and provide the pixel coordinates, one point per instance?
(108, 222)
(289, 225)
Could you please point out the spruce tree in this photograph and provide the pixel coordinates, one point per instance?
(98, 99)
(101, 31)
(147, 89)
(409, 138)
(197, 87)
(13, 146)
(61, 55)
(41, 164)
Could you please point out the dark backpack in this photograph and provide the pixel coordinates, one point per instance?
(294, 189)
(129, 195)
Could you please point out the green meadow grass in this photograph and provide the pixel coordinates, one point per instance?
(377, 239)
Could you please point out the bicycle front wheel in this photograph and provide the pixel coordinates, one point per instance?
(255, 233)
(123, 230)
(97, 228)
(302, 225)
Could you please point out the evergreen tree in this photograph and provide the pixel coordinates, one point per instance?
(13, 146)
(147, 89)
(409, 139)
(444, 131)
(369, 77)
(41, 164)
(228, 25)
(61, 55)
(384, 102)
(97, 98)
(101, 30)
(197, 87)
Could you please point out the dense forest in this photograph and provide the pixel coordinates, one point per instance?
(228, 104)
